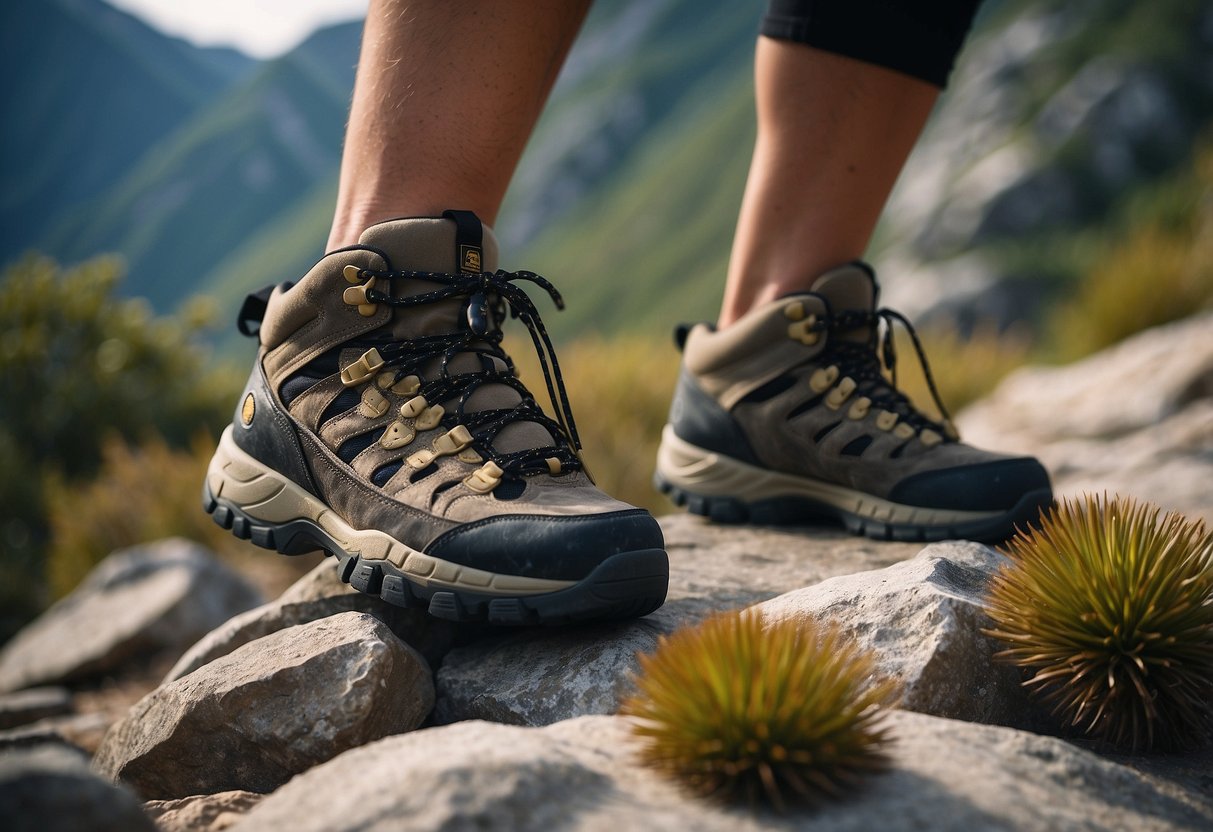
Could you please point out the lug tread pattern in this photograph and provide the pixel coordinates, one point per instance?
(804, 511)
(626, 585)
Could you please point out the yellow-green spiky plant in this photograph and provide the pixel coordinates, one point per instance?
(735, 707)
(1109, 604)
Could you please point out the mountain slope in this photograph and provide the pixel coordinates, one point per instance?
(89, 89)
(224, 174)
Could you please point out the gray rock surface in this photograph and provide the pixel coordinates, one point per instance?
(50, 789)
(26, 706)
(270, 709)
(78, 731)
(537, 677)
(152, 599)
(583, 774)
(318, 594)
(1136, 418)
(922, 619)
(202, 812)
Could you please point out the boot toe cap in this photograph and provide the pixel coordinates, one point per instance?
(555, 547)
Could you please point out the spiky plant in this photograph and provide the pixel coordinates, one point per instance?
(1109, 604)
(735, 707)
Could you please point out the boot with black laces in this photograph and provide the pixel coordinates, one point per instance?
(384, 423)
(787, 417)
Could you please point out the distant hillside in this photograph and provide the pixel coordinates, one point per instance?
(1059, 115)
(228, 171)
(219, 175)
(88, 91)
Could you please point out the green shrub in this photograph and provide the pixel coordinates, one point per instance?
(1158, 269)
(621, 389)
(1110, 607)
(736, 707)
(140, 493)
(77, 365)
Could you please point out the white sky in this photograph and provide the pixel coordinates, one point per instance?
(261, 28)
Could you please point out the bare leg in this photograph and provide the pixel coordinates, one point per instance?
(445, 99)
(833, 134)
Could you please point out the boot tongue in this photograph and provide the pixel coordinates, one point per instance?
(849, 288)
(439, 244)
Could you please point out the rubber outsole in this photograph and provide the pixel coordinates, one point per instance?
(799, 510)
(625, 585)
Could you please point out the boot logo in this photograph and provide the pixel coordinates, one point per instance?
(469, 259)
(247, 409)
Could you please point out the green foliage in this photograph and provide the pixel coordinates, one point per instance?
(737, 707)
(140, 493)
(78, 365)
(965, 367)
(1159, 270)
(621, 389)
(1110, 606)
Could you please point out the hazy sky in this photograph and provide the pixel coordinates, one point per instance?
(262, 28)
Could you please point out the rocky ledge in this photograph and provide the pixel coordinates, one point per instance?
(326, 709)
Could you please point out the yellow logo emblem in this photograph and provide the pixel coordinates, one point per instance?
(247, 410)
(470, 261)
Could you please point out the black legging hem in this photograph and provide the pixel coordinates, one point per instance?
(920, 39)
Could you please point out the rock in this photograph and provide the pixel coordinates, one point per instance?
(537, 677)
(1136, 418)
(583, 774)
(31, 705)
(157, 598)
(318, 594)
(201, 813)
(922, 619)
(50, 789)
(268, 710)
(79, 731)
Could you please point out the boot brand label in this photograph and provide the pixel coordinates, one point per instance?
(469, 259)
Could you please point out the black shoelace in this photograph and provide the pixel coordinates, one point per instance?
(490, 296)
(865, 364)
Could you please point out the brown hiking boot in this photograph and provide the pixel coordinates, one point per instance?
(384, 424)
(787, 417)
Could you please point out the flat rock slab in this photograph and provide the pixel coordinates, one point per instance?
(922, 621)
(1134, 419)
(318, 594)
(151, 599)
(536, 677)
(201, 813)
(33, 704)
(584, 774)
(51, 789)
(277, 706)
(79, 731)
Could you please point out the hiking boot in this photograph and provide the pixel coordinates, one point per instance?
(384, 424)
(787, 417)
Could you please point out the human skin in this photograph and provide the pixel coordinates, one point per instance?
(448, 92)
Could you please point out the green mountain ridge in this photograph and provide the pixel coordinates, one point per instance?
(628, 192)
(91, 90)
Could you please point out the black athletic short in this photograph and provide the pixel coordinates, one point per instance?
(918, 37)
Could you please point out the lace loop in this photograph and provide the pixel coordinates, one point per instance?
(881, 323)
(491, 295)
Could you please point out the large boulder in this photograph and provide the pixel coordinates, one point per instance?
(157, 598)
(318, 594)
(922, 620)
(277, 706)
(584, 774)
(50, 789)
(1136, 418)
(537, 677)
